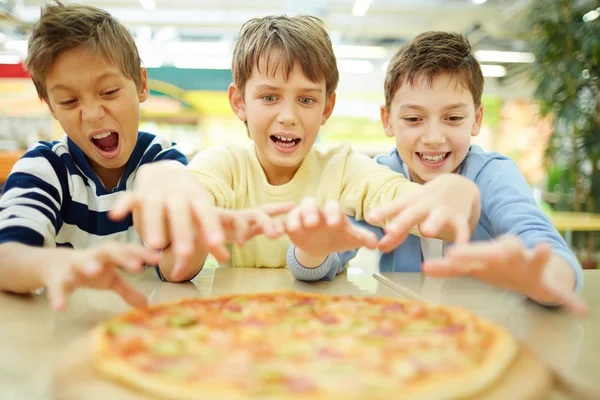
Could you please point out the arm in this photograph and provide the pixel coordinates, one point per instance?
(510, 208)
(21, 266)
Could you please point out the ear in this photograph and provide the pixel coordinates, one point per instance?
(328, 108)
(478, 120)
(144, 90)
(385, 121)
(236, 101)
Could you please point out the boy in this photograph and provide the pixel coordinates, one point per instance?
(86, 67)
(285, 76)
(433, 107)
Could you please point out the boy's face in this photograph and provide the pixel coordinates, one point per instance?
(433, 125)
(283, 116)
(97, 106)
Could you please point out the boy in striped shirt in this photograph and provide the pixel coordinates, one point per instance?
(55, 227)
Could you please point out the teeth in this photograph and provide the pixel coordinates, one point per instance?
(437, 158)
(285, 139)
(288, 144)
(102, 135)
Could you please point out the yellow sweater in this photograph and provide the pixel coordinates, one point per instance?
(236, 180)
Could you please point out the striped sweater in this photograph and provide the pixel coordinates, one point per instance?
(53, 198)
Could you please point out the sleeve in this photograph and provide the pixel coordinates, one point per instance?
(32, 199)
(508, 205)
(333, 265)
(367, 184)
(213, 168)
(172, 153)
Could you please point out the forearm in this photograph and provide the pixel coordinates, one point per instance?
(21, 267)
(167, 264)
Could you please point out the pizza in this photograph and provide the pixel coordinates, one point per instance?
(297, 346)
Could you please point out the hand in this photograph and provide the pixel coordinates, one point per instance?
(169, 207)
(508, 264)
(320, 233)
(96, 268)
(242, 225)
(443, 208)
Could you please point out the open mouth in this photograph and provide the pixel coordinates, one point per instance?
(286, 143)
(107, 143)
(433, 159)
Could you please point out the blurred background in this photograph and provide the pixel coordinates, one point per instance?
(540, 58)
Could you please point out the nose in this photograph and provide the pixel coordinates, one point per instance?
(92, 112)
(433, 135)
(287, 113)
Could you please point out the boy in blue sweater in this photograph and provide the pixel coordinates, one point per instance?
(432, 108)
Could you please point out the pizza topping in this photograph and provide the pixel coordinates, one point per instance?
(169, 348)
(119, 328)
(182, 320)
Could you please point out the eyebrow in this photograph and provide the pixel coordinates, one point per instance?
(100, 79)
(269, 87)
(418, 107)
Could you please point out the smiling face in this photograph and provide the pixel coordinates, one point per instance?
(98, 107)
(284, 114)
(433, 125)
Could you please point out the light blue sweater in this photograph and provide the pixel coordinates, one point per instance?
(507, 206)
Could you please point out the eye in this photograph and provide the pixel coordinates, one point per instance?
(412, 120)
(456, 118)
(110, 92)
(269, 98)
(306, 101)
(67, 102)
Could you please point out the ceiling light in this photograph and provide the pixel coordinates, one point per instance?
(493, 71)
(148, 4)
(343, 51)
(478, 2)
(360, 7)
(504, 56)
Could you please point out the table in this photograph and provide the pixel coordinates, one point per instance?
(32, 335)
(570, 345)
(569, 222)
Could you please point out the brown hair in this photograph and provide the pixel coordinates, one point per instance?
(64, 27)
(281, 41)
(429, 55)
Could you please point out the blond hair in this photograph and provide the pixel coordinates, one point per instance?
(429, 55)
(65, 27)
(281, 41)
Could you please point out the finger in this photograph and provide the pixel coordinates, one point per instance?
(181, 229)
(153, 223)
(333, 213)
(294, 224)
(125, 204)
(311, 215)
(275, 209)
(128, 292)
(540, 255)
(441, 218)
(242, 228)
(58, 290)
(569, 301)
(365, 237)
(384, 212)
(263, 220)
(399, 228)
(209, 225)
(127, 256)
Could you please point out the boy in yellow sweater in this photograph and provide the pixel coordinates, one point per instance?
(285, 76)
